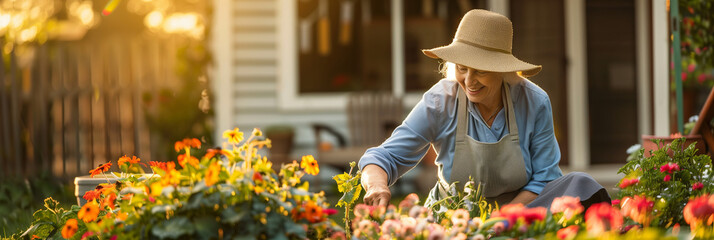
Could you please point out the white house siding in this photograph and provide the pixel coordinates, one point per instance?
(255, 85)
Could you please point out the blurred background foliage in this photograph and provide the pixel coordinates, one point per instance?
(174, 110)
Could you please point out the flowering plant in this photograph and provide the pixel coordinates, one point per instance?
(655, 189)
(224, 194)
(567, 219)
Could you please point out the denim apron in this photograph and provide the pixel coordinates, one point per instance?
(498, 167)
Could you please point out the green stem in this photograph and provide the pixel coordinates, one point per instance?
(347, 220)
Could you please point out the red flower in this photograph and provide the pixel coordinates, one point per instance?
(601, 217)
(667, 178)
(568, 232)
(626, 182)
(91, 195)
(697, 186)
(699, 211)
(615, 202)
(669, 168)
(638, 209)
(330, 211)
(515, 212)
(257, 177)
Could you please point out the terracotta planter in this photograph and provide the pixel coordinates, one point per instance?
(82, 184)
(648, 145)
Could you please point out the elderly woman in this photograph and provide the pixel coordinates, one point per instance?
(489, 123)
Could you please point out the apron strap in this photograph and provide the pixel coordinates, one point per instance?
(512, 126)
(461, 116)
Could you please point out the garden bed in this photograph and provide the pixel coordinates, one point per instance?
(235, 192)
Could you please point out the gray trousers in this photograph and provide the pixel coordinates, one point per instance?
(574, 184)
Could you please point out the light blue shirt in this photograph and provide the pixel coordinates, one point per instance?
(433, 121)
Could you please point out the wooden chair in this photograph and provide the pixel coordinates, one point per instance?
(371, 118)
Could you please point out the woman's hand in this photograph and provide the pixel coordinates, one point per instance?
(374, 181)
(525, 197)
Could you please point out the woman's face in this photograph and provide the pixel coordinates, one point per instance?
(480, 86)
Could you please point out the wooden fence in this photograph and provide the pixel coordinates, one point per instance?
(75, 105)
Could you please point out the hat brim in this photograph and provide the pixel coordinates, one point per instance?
(482, 59)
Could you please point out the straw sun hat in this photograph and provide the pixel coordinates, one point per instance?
(483, 41)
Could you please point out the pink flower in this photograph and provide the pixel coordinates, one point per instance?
(329, 211)
(667, 178)
(568, 232)
(684, 77)
(391, 227)
(702, 77)
(691, 67)
(697, 186)
(409, 201)
(569, 206)
(615, 202)
(601, 217)
(362, 210)
(460, 214)
(669, 168)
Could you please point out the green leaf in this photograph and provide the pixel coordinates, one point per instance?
(173, 228)
(43, 216)
(38, 225)
(232, 217)
(206, 227)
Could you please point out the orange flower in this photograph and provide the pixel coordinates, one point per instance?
(601, 217)
(105, 188)
(313, 212)
(133, 160)
(91, 195)
(638, 209)
(102, 168)
(70, 228)
(216, 152)
(310, 165)
(89, 211)
(182, 159)
(233, 136)
(212, 174)
(187, 143)
(109, 201)
(165, 166)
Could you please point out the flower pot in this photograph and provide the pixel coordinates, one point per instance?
(649, 145)
(82, 184)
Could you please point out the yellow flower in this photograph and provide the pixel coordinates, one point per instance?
(257, 132)
(70, 228)
(233, 136)
(212, 174)
(310, 165)
(156, 189)
(89, 211)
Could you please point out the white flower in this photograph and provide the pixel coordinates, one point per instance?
(633, 148)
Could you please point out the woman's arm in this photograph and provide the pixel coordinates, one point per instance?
(524, 197)
(374, 181)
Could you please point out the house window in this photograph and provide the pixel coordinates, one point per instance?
(344, 46)
(328, 48)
